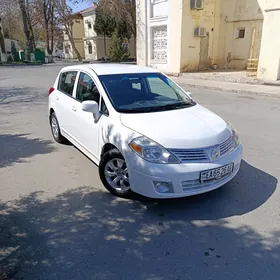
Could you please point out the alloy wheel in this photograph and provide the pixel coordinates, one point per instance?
(116, 174)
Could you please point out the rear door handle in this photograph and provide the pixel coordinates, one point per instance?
(74, 109)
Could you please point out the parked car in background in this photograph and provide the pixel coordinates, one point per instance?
(146, 134)
(59, 54)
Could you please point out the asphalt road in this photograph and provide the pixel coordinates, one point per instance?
(57, 221)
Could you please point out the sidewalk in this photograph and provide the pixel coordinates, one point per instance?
(200, 81)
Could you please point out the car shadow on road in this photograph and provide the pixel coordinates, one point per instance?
(89, 234)
(21, 96)
(250, 189)
(16, 148)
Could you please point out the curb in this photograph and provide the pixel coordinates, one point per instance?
(230, 90)
(275, 84)
(20, 65)
(241, 80)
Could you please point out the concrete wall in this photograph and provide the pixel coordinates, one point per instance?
(269, 61)
(153, 15)
(197, 51)
(8, 45)
(142, 31)
(175, 33)
(222, 20)
(233, 51)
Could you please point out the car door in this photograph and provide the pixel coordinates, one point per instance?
(64, 99)
(86, 128)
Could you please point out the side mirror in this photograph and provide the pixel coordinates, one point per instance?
(91, 107)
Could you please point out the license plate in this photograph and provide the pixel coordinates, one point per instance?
(217, 173)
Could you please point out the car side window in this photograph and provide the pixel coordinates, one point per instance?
(86, 89)
(67, 82)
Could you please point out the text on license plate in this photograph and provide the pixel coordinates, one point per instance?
(216, 173)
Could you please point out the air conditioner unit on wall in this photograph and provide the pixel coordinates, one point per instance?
(200, 32)
(197, 4)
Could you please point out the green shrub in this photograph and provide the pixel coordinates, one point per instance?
(116, 52)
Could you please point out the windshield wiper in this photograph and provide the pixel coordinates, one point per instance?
(137, 110)
(158, 108)
(173, 106)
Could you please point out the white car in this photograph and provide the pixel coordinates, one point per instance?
(146, 134)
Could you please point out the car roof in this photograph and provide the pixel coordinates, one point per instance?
(112, 68)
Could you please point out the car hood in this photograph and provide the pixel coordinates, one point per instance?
(194, 127)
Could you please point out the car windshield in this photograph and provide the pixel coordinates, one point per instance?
(147, 92)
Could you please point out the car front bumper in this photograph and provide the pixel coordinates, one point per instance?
(183, 177)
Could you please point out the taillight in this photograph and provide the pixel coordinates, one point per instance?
(51, 90)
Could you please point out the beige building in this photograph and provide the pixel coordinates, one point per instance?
(191, 35)
(89, 44)
(93, 44)
(78, 35)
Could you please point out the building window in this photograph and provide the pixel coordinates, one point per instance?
(196, 4)
(89, 47)
(159, 42)
(158, 8)
(125, 46)
(241, 33)
(89, 25)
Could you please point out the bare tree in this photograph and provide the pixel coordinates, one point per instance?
(124, 12)
(2, 40)
(48, 13)
(125, 9)
(27, 26)
(12, 26)
(67, 19)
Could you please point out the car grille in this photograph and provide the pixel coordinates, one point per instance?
(197, 155)
(203, 154)
(226, 146)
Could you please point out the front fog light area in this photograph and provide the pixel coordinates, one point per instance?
(164, 187)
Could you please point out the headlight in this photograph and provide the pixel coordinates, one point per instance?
(235, 136)
(151, 151)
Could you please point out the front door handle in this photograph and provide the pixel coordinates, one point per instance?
(74, 109)
(57, 98)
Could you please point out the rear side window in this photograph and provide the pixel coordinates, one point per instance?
(67, 82)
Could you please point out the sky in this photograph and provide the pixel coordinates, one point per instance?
(81, 6)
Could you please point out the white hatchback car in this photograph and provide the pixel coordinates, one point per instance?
(146, 134)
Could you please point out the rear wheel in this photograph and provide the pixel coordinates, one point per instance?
(113, 173)
(56, 129)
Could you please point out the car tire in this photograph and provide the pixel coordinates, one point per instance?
(55, 128)
(114, 175)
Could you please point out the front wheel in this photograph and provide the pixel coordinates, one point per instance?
(113, 173)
